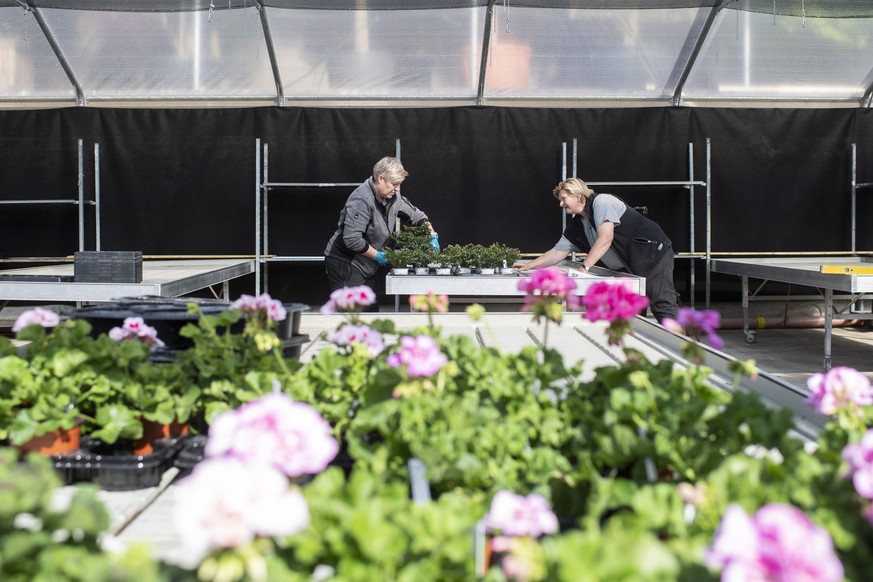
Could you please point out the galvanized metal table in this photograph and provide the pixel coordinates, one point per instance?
(503, 285)
(806, 271)
(161, 278)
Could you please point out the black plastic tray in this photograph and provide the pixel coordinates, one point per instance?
(115, 470)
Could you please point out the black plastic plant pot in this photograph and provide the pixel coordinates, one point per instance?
(167, 315)
(290, 326)
(291, 348)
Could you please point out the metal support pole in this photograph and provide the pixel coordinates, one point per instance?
(829, 324)
(81, 172)
(744, 282)
(258, 216)
(691, 221)
(854, 190)
(708, 219)
(266, 219)
(97, 196)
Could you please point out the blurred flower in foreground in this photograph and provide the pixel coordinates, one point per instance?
(36, 316)
(616, 304)
(840, 391)
(421, 356)
(359, 334)
(695, 324)
(475, 312)
(778, 543)
(275, 430)
(545, 290)
(226, 503)
(262, 307)
(521, 558)
(430, 302)
(860, 459)
(349, 300)
(136, 328)
(515, 515)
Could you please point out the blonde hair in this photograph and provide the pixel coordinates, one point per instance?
(391, 169)
(575, 187)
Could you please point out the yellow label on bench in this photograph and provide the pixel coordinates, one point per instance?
(846, 270)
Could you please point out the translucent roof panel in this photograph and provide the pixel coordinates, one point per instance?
(28, 66)
(379, 53)
(164, 54)
(751, 55)
(561, 53)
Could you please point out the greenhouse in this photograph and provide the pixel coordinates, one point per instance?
(447, 290)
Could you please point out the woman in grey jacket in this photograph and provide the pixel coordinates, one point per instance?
(371, 214)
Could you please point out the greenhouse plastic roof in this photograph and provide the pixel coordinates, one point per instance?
(413, 53)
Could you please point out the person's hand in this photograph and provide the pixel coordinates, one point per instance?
(519, 265)
(434, 240)
(381, 258)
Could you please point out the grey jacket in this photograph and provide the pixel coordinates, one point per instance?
(364, 221)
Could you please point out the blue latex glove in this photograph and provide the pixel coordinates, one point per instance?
(434, 240)
(381, 258)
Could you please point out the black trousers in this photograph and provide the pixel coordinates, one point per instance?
(663, 299)
(341, 273)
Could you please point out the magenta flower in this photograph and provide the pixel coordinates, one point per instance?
(420, 355)
(350, 334)
(515, 515)
(548, 281)
(779, 543)
(36, 316)
(291, 436)
(226, 503)
(612, 301)
(545, 290)
(349, 299)
(860, 459)
(839, 389)
(696, 323)
(136, 328)
(261, 307)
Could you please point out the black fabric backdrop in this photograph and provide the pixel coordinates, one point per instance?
(183, 181)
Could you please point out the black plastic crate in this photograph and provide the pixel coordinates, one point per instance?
(107, 267)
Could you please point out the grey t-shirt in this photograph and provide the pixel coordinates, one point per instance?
(608, 208)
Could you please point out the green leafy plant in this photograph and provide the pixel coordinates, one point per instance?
(44, 540)
(229, 367)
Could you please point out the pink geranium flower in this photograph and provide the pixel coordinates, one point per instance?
(421, 356)
(276, 430)
(840, 389)
(612, 301)
(544, 292)
(349, 299)
(136, 328)
(367, 336)
(36, 316)
(515, 515)
(860, 458)
(226, 503)
(261, 307)
(778, 543)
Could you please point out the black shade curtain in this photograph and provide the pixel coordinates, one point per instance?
(183, 182)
